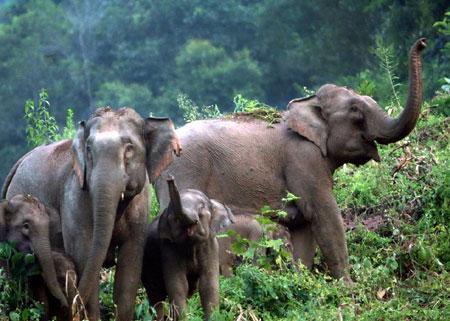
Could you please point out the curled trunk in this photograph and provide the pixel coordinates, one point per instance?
(388, 130)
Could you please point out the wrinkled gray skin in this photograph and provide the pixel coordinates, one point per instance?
(246, 164)
(98, 183)
(246, 226)
(181, 252)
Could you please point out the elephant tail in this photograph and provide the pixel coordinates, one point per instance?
(11, 174)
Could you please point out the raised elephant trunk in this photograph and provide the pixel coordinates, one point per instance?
(175, 200)
(42, 250)
(388, 130)
(105, 195)
(175, 203)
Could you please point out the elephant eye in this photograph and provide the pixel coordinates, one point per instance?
(25, 228)
(353, 108)
(129, 151)
(89, 152)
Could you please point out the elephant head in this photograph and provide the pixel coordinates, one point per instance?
(345, 125)
(192, 216)
(113, 153)
(25, 222)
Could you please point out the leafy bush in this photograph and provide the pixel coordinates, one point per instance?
(16, 269)
(42, 127)
(193, 112)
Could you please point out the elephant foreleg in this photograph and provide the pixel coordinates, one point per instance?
(304, 244)
(209, 281)
(319, 208)
(329, 232)
(175, 281)
(93, 304)
(128, 270)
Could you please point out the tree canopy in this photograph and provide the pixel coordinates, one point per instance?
(89, 53)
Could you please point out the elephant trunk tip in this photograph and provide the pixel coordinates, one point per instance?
(420, 44)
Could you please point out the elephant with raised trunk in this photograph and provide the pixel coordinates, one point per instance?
(246, 164)
(182, 253)
(98, 182)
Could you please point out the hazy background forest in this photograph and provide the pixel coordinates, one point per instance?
(89, 53)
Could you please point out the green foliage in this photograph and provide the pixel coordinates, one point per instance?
(42, 127)
(208, 73)
(154, 204)
(255, 108)
(193, 112)
(16, 270)
(386, 57)
(69, 129)
(443, 27)
(268, 252)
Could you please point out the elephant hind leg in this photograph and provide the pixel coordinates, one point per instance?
(304, 244)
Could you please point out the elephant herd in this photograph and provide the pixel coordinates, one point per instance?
(83, 204)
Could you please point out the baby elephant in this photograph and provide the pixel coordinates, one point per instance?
(246, 226)
(26, 222)
(181, 251)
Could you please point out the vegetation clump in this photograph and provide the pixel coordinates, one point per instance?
(255, 109)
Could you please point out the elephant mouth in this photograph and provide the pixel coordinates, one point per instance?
(190, 231)
(123, 205)
(24, 248)
(373, 151)
(194, 232)
(370, 153)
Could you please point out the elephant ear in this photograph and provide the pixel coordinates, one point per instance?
(305, 118)
(3, 208)
(221, 216)
(79, 157)
(161, 142)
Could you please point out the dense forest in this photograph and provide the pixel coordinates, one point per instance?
(90, 53)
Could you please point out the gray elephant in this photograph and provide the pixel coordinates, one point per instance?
(98, 182)
(32, 227)
(246, 164)
(181, 252)
(246, 226)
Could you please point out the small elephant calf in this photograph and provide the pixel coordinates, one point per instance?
(182, 252)
(246, 226)
(32, 227)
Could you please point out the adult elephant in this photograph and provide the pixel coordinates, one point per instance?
(244, 163)
(98, 182)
